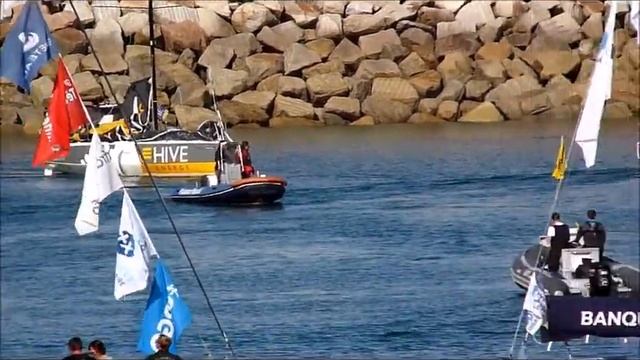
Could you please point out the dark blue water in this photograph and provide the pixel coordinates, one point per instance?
(393, 242)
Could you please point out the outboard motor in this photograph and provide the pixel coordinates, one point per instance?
(600, 280)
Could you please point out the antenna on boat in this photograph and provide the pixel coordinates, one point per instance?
(152, 49)
(153, 181)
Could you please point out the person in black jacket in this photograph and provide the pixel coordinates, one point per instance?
(559, 233)
(592, 233)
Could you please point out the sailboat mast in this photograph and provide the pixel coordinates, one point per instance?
(154, 98)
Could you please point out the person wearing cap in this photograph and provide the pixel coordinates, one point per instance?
(592, 233)
(247, 166)
(163, 343)
(559, 234)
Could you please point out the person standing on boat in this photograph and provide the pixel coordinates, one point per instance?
(247, 166)
(162, 344)
(559, 234)
(592, 233)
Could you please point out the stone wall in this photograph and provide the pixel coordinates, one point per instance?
(313, 63)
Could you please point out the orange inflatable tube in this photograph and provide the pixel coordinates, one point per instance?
(257, 180)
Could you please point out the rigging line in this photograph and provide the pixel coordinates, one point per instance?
(164, 205)
(556, 199)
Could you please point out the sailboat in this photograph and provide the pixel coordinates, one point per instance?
(170, 153)
(590, 294)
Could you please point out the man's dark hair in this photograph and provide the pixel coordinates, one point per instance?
(163, 342)
(98, 346)
(591, 214)
(244, 144)
(75, 344)
(555, 216)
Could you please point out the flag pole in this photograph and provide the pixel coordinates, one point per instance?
(157, 190)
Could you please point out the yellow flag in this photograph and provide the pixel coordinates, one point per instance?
(561, 162)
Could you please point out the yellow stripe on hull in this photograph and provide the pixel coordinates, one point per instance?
(178, 169)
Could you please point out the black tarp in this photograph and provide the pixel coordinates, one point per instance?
(575, 316)
(138, 93)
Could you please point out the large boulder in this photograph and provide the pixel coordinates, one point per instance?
(370, 69)
(183, 35)
(466, 106)
(261, 99)
(423, 118)
(250, 17)
(329, 26)
(452, 91)
(133, 23)
(456, 66)
(334, 6)
(365, 121)
(494, 51)
(234, 112)
(303, 13)
(432, 17)
(448, 110)
(517, 67)
(290, 107)
(485, 112)
(396, 89)
(429, 105)
(412, 65)
(476, 89)
(331, 66)
(32, 119)
(323, 47)
(271, 83)
(191, 93)
(297, 57)
(60, 20)
(229, 82)
(85, 13)
(216, 56)
(292, 87)
(213, 25)
(535, 102)
(41, 90)
(360, 88)
(106, 37)
(359, 7)
(71, 41)
(323, 86)
(371, 45)
(416, 37)
(451, 5)
(111, 63)
(427, 83)
(562, 27)
(243, 44)
(492, 70)
(347, 52)
(288, 121)
(190, 117)
(492, 30)
(392, 13)
(558, 62)
(362, 24)
(507, 96)
(261, 66)
(593, 26)
(275, 6)
(120, 85)
(476, 13)
(281, 36)
(465, 43)
(345, 107)
(504, 8)
(386, 111)
(172, 75)
(453, 28)
(87, 86)
(526, 21)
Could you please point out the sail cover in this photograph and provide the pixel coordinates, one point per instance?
(136, 104)
(599, 91)
(574, 317)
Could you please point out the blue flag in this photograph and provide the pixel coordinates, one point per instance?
(27, 47)
(165, 313)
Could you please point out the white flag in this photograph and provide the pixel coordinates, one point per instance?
(100, 180)
(535, 306)
(134, 252)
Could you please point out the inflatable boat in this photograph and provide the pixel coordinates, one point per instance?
(570, 280)
(262, 190)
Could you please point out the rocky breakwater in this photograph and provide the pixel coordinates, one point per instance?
(313, 63)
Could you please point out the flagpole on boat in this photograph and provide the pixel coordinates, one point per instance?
(157, 190)
(560, 182)
(152, 49)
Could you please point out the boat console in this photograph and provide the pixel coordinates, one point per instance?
(570, 260)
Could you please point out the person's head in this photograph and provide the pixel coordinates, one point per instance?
(591, 214)
(555, 216)
(163, 343)
(74, 344)
(244, 144)
(97, 347)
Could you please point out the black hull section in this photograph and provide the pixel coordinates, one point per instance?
(245, 194)
(525, 264)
